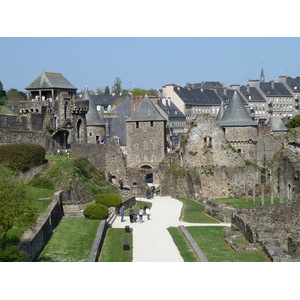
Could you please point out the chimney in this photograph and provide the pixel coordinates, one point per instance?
(248, 88)
(282, 79)
(272, 84)
(235, 87)
(253, 82)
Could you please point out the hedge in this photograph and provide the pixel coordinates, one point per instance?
(96, 211)
(109, 200)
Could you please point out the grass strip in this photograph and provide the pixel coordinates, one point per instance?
(72, 241)
(239, 203)
(112, 250)
(209, 239)
(182, 244)
(192, 212)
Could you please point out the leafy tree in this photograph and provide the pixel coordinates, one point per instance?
(139, 92)
(99, 91)
(15, 209)
(14, 97)
(295, 122)
(107, 90)
(2, 92)
(117, 87)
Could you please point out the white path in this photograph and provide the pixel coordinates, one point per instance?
(151, 239)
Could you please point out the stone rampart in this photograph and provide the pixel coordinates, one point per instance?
(35, 239)
(274, 227)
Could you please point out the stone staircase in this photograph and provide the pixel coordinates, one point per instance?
(73, 211)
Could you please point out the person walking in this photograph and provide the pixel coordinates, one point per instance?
(141, 213)
(148, 193)
(131, 213)
(148, 213)
(122, 213)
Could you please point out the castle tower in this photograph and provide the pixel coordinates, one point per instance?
(146, 136)
(53, 98)
(240, 130)
(95, 125)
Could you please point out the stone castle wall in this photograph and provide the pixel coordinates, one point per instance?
(26, 137)
(145, 143)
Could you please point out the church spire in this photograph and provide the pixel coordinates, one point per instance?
(262, 75)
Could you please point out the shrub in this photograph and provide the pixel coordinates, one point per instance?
(109, 200)
(96, 211)
(42, 183)
(22, 157)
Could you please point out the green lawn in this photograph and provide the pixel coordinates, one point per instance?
(112, 250)
(209, 239)
(182, 244)
(239, 203)
(192, 212)
(72, 241)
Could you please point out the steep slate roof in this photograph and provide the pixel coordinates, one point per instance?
(236, 114)
(278, 90)
(205, 84)
(293, 83)
(118, 124)
(198, 97)
(51, 80)
(171, 110)
(221, 111)
(92, 117)
(277, 124)
(106, 100)
(256, 96)
(146, 111)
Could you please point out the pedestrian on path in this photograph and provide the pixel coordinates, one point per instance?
(148, 213)
(141, 213)
(131, 213)
(148, 193)
(122, 213)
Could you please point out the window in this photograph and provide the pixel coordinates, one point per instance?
(137, 125)
(151, 123)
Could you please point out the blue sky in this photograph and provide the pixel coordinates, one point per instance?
(146, 62)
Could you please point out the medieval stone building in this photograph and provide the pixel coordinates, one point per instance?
(240, 130)
(146, 137)
(95, 124)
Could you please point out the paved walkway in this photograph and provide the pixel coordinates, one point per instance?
(151, 239)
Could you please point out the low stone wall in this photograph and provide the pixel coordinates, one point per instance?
(35, 239)
(131, 201)
(216, 209)
(100, 236)
(274, 227)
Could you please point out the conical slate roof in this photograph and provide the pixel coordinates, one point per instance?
(92, 117)
(221, 111)
(277, 124)
(51, 80)
(236, 114)
(146, 111)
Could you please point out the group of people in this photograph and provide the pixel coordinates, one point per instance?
(133, 216)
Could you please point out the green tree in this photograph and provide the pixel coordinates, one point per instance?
(15, 209)
(295, 122)
(14, 97)
(2, 91)
(139, 92)
(117, 87)
(107, 90)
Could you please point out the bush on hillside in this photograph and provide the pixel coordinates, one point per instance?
(41, 182)
(22, 157)
(109, 200)
(96, 211)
